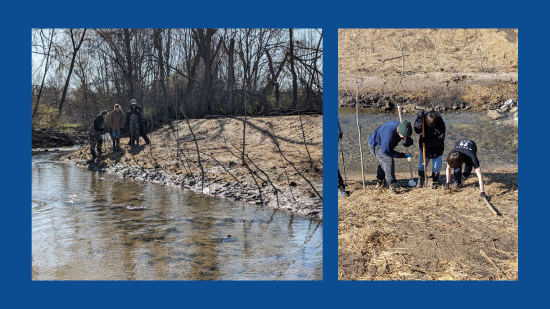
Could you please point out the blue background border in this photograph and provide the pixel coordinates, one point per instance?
(16, 186)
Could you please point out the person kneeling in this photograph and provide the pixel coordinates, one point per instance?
(464, 152)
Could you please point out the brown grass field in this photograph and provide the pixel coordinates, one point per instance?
(430, 234)
(359, 50)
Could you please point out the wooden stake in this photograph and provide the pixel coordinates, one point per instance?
(402, 57)
(359, 130)
(437, 53)
(493, 209)
(424, 155)
(480, 61)
(406, 148)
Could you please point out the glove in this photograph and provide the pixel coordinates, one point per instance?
(422, 140)
(483, 195)
(408, 142)
(420, 114)
(340, 136)
(408, 156)
(446, 186)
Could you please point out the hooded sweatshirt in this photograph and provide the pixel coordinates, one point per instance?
(435, 136)
(387, 137)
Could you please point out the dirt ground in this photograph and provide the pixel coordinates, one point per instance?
(287, 179)
(430, 233)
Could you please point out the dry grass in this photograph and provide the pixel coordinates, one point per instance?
(359, 50)
(480, 94)
(430, 234)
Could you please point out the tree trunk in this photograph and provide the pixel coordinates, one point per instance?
(75, 51)
(35, 112)
(158, 46)
(230, 78)
(293, 71)
(127, 39)
(203, 38)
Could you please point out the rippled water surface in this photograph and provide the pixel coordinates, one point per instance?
(93, 226)
(497, 141)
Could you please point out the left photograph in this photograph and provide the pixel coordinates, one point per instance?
(177, 154)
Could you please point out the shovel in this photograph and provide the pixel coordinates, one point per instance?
(412, 183)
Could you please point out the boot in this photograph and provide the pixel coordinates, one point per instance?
(435, 178)
(420, 182)
(117, 143)
(114, 144)
(392, 188)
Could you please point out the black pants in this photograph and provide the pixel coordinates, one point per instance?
(458, 172)
(142, 134)
(340, 180)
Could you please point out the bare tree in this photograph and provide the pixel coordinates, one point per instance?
(76, 46)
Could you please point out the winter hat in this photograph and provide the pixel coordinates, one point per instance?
(133, 101)
(405, 128)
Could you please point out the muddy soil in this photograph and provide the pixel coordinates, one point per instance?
(430, 233)
(288, 179)
(353, 81)
(436, 90)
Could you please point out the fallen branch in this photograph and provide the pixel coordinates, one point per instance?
(392, 58)
(490, 261)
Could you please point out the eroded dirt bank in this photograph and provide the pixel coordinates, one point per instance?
(279, 170)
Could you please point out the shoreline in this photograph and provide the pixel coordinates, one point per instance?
(293, 184)
(212, 187)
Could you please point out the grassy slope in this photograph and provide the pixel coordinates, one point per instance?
(360, 49)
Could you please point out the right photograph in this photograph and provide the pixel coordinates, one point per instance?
(428, 154)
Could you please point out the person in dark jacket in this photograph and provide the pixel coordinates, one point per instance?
(382, 144)
(464, 152)
(434, 131)
(341, 186)
(141, 126)
(133, 118)
(96, 130)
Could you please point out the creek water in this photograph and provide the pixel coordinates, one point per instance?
(94, 226)
(497, 141)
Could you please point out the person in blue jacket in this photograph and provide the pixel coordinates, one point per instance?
(434, 131)
(382, 144)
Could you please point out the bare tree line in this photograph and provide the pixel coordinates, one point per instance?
(171, 72)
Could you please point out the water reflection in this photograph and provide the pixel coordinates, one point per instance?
(93, 226)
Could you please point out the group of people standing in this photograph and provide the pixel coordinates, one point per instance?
(117, 122)
(385, 138)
